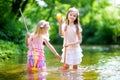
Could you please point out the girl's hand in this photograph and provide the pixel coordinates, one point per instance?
(59, 18)
(72, 44)
(66, 45)
(28, 34)
(58, 56)
(59, 21)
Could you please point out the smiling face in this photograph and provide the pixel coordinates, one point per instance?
(72, 16)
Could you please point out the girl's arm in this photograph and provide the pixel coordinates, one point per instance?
(26, 38)
(60, 30)
(60, 27)
(80, 37)
(52, 48)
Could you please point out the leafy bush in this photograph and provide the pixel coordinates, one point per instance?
(8, 50)
(101, 25)
(13, 31)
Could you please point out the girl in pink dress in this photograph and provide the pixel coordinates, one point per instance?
(71, 32)
(34, 41)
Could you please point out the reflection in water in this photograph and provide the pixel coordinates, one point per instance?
(81, 74)
(71, 75)
(98, 64)
(90, 75)
(36, 75)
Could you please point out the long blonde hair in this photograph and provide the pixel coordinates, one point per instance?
(76, 22)
(40, 28)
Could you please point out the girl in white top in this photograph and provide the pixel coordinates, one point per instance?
(71, 32)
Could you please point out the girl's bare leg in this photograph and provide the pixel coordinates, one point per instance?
(65, 67)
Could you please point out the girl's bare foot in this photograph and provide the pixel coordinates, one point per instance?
(75, 67)
(64, 68)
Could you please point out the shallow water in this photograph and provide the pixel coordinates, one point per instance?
(99, 63)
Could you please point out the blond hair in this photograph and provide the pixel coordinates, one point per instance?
(41, 26)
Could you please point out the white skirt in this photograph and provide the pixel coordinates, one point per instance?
(72, 56)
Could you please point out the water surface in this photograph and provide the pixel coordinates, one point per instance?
(99, 63)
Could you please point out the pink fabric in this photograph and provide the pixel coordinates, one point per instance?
(36, 45)
(36, 53)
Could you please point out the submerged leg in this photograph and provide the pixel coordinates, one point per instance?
(65, 67)
(75, 67)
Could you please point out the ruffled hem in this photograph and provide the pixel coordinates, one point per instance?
(72, 56)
